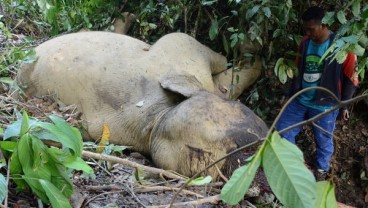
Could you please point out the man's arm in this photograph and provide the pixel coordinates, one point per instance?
(350, 81)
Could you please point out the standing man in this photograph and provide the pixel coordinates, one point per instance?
(340, 79)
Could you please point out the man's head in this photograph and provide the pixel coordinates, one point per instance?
(312, 24)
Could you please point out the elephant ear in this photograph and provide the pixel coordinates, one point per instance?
(186, 85)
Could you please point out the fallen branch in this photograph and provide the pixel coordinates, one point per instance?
(164, 188)
(105, 193)
(87, 154)
(102, 188)
(212, 199)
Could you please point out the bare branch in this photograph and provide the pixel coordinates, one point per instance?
(110, 158)
(213, 200)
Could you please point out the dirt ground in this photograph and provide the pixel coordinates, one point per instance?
(116, 185)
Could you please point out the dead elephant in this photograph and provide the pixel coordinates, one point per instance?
(160, 99)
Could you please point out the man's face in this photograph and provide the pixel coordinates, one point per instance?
(314, 30)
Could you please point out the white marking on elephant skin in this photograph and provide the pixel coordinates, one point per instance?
(140, 104)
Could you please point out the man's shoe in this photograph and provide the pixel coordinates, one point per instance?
(320, 175)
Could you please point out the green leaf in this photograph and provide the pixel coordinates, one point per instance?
(356, 8)
(251, 12)
(276, 33)
(8, 145)
(79, 164)
(6, 80)
(293, 184)
(25, 124)
(208, 3)
(357, 49)
(66, 135)
(341, 56)
(341, 17)
(328, 19)
(1, 130)
(200, 181)
(282, 73)
(325, 195)
(57, 199)
(13, 129)
(225, 44)
(3, 188)
(328, 51)
(235, 189)
(213, 32)
(32, 180)
(16, 171)
(234, 40)
(25, 152)
(277, 66)
(267, 11)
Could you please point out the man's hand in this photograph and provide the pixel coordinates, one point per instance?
(345, 114)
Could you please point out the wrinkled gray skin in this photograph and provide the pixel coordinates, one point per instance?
(159, 99)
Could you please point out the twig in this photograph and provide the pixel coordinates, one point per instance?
(103, 187)
(80, 201)
(212, 199)
(322, 129)
(164, 188)
(105, 193)
(110, 158)
(131, 192)
(100, 166)
(220, 173)
(7, 183)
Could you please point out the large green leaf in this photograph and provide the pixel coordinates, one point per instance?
(6, 80)
(235, 189)
(8, 145)
(16, 171)
(13, 130)
(341, 17)
(213, 32)
(79, 164)
(3, 188)
(356, 8)
(325, 195)
(32, 179)
(25, 153)
(328, 18)
(62, 182)
(25, 124)
(251, 12)
(39, 153)
(57, 199)
(70, 142)
(70, 131)
(293, 184)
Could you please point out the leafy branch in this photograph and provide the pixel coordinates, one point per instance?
(41, 168)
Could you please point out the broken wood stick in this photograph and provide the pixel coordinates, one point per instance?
(164, 188)
(212, 199)
(87, 154)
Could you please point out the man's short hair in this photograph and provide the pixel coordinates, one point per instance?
(315, 13)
